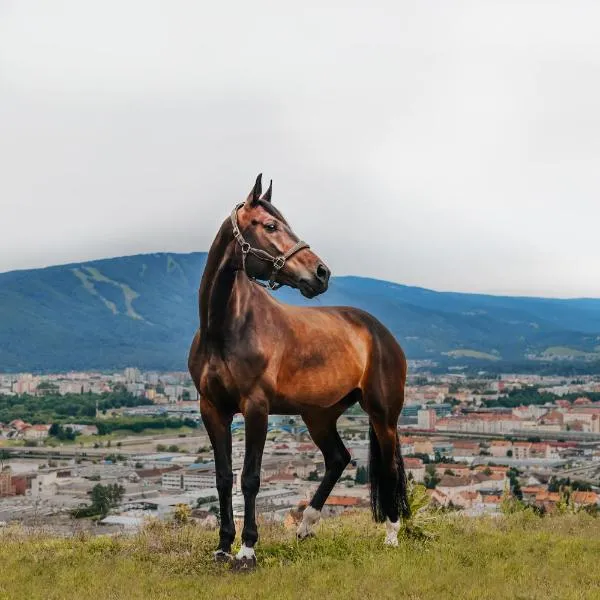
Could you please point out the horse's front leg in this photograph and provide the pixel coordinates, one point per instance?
(218, 427)
(256, 415)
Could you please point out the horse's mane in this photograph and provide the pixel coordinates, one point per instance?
(213, 262)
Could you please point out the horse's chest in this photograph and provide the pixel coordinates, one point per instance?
(216, 380)
(229, 378)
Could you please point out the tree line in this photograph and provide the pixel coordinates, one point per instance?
(534, 395)
(52, 407)
(59, 410)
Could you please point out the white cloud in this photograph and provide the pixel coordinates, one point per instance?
(453, 145)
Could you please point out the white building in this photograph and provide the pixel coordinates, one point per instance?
(584, 420)
(172, 481)
(198, 481)
(44, 485)
(132, 375)
(36, 432)
(533, 411)
(26, 384)
(479, 423)
(426, 418)
(192, 480)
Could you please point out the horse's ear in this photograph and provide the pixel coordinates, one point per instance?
(254, 194)
(267, 195)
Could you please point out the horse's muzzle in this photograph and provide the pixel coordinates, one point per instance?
(317, 284)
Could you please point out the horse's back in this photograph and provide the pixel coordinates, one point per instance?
(385, 349)
(355, 321)
(340, 347)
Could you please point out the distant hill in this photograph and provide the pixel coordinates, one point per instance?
(143, 310)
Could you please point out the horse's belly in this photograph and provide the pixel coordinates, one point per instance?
(322, 372)
(317, 389)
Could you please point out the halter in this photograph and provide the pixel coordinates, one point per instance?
(277, 261)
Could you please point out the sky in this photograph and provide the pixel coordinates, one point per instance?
(445, 144)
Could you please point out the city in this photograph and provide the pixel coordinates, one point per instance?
(474, 442)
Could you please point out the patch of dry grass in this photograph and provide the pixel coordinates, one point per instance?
(517, 556)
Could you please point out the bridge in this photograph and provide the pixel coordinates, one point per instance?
(293, 428)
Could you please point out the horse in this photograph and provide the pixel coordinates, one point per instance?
(257, 356)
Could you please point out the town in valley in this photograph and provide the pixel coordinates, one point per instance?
(106, 452)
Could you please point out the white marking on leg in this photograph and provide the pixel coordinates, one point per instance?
(391, 533)
(310, 518)
(245, 552)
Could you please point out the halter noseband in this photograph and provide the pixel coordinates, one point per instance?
(277, 261)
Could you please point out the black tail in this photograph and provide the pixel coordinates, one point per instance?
(389, 495)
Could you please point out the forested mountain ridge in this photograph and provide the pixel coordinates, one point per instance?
(143, 310)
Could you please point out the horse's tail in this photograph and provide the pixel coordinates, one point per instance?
(389, 493)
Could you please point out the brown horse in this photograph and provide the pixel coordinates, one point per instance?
(256, 356)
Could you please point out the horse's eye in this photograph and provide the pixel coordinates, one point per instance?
(270, 227)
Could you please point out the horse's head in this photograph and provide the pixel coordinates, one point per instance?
(271, 250)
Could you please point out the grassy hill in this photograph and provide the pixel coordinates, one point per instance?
(516, 556)
(560, 352)
(471, 354)
(143, 310)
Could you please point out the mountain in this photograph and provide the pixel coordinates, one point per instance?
(143, 310)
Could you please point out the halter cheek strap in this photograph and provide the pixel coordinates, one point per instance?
(278, 262)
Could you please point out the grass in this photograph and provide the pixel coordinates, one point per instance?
(471, 354)
(120, 434)
(11, 443)
(517, 556)
(88, 441)
(565, 352)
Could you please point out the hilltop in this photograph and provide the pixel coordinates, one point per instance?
(143, 310)
(515, 556)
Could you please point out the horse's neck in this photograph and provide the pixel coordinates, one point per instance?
(221, 281)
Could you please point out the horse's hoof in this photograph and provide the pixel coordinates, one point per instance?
(244, 564)
(304, 536)
(221, 556)
(392, 542)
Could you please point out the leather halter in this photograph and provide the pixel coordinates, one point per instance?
(277, 261)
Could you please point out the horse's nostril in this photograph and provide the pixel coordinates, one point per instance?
(322, 273)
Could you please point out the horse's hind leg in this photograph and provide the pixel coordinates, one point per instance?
(388, 480)
(382, 400)
(323, 431)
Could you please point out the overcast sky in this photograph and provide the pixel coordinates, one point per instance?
(451, 145)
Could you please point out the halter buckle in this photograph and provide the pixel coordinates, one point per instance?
(279, 263)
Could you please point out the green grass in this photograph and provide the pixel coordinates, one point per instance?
(517, 556)
(11, 443)
(564, 352)
(471, 354)
(120, 434)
